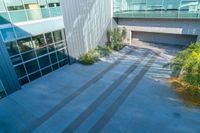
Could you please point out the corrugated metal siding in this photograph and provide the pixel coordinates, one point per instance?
(85, 23)
(7, 73)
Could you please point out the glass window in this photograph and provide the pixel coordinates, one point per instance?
(62, 63)
(34, 76)
(55, 66)
(41, 51)
(32, 66)
(29, 55)
(25, 44)
(44, 61)
(57, 36)
(12, 48)
(46, 70)
(14, 5)
(13, 2)
(51, 48)
(61, 54)
(12, 8)
(54, 4)
(38, 41)
(20, 71)
(53, 58)
(16, 60)
(43, 3)
(23, 81)
(59, 45)
(53, 1)
(48, 37)
(30, 1)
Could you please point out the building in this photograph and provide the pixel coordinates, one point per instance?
(159, 21)
(36, 38)
(32, 41)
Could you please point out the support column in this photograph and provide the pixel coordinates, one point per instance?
(129, 34)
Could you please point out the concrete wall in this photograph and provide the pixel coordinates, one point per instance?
(174, 39)
(168, 26)
(86, 23)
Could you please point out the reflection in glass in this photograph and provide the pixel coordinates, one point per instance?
(12, 48)
(20, 71)
(34, 76)
(32, 66)
(48, 37)
(23, 80)
(44, 61)
(57, 36)
(16, 60)
(28, 55)
(33, 57)
(46, 70)
(38, 41)
(25, 44)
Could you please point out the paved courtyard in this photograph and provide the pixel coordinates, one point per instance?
(126, 92)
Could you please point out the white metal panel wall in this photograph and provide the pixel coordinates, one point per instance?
(85, 23)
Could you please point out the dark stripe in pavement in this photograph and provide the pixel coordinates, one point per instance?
(85, 114)
(75, 94)
(103, 121)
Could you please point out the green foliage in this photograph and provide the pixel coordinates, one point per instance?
(187, 64)
(93, 55)
(194, 92)
(104, 50)
(89, 58)
(116, 38)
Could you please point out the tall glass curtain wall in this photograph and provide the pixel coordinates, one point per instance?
(38, 55)
(12, 11)
(157, 8)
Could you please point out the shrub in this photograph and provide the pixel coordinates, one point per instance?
(186, 66)
(187, 63)
(89, 58)
(104, 50)
(116, 38)
(94, 55)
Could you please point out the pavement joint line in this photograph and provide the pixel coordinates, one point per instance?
(103, 121)
(35, 124)
(86, 113)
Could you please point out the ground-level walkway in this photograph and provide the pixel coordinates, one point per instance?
(126, 92)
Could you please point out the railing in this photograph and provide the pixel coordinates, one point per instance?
(157, 8)
(28, 14)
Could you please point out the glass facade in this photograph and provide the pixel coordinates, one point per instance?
(35, 56)
(12, 11)
(157, 8)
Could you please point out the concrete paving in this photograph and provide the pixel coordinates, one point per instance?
(124, 93)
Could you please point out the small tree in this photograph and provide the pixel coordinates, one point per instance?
(116, 37)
